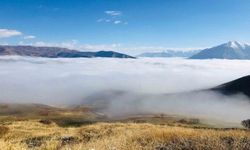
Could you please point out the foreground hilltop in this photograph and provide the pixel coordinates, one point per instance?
(56, 52)
(238, 86)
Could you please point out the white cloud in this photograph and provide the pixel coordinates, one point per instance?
(6, 33)
(72, 44)
(103, 20)
(98, 47)
(111, 21)
(29, 37)
(117, 21)
(111, 17)
(113, 13)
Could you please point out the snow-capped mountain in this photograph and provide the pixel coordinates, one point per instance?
(170, 53)
(229, 50)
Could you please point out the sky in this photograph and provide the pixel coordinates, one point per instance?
(129, 26)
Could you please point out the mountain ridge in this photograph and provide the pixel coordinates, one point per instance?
(56, 52)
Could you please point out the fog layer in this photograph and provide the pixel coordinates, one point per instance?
(143, 85)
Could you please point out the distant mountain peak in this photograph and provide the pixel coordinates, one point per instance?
(233, 44)
(236, 45)
(229, 50)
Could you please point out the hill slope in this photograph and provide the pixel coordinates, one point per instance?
(241, 85)
(56, 52)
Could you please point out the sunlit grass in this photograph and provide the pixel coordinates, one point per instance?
(118, 136)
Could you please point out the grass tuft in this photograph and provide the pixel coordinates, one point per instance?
(3, 130)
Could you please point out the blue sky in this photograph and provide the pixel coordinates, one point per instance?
(130, 26)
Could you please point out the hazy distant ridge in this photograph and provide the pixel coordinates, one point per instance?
(56, 52)
(170, 53)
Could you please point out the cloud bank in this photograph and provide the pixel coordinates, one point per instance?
(126, 86)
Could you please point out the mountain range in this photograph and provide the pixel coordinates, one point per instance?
(229, 50)
(169, 53)
(56, 52)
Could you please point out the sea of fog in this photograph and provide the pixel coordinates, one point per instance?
(143, 85)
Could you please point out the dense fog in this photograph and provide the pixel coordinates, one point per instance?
(126, 86)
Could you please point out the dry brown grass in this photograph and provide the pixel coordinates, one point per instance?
(3, 130)
(119, 136)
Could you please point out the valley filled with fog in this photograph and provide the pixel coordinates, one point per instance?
(127, 86)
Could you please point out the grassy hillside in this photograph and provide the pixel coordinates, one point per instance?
(34, 126)
(118, 136)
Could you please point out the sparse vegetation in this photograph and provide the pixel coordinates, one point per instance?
(189, 121)
(72, 122)
(246, 123)
(35, 141)
(45, 121)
